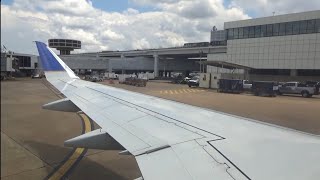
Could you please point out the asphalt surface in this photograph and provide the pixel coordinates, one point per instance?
(32, 138)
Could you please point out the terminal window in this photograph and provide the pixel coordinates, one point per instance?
(277, 29)
(24, 61)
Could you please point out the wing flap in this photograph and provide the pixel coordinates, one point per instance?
(161, 165)
(96, 139)
(182, 161)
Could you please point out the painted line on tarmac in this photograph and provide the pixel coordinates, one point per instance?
(180, 91)
(72, 159)
(70, 162)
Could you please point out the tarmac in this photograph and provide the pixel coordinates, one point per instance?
(32, 138)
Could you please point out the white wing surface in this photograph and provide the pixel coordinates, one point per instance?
(171, 140)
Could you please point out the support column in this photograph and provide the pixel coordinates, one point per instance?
(123, 71)
(246, 74)
(156, 63)
(109, 66)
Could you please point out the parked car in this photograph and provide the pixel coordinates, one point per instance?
(194, 81)
(179, 79)
(95, 78)
(247, 85)
(186, 79)
(313, 84)
(298, 88)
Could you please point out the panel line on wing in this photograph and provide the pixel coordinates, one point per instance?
(156, 113)
(147, 112)
(216, 160)
(69, 83)
(225, 157)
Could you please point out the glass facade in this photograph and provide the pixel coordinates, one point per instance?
(245, 32)
(269, 30)
(278, 29)
(275, 29)
(24, 61)
(251, 31)
(317, 25)
(64, 43)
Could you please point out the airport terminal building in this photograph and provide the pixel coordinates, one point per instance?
(282, 48)
(283, 45)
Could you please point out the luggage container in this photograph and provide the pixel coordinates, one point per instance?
(135, 81)
(122, 77)
(264, 88)
(230, 85)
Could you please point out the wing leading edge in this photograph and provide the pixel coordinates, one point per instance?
(172, 140)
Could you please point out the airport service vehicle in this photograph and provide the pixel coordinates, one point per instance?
(194, 81)
(172, 140)
(134, 81)
(178, 79)
(313, 84)
(36, 76)
(187, 79)
(122, 77)
(95, 78)
(247, 85)
(230, 86)
(264, 88)
(298, 88)
(110, 76)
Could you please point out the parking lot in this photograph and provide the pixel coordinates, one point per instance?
(32, 138)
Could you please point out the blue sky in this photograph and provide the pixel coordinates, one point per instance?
(118, 6)
(8, 2)
(109, 6)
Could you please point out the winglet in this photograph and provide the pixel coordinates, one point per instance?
(50, 61)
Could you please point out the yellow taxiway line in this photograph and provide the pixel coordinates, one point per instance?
(59, 172)
(63, 169)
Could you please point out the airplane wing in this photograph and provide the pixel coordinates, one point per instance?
(172, 140)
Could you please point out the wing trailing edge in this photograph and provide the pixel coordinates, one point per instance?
(97, 139)
(64, 105)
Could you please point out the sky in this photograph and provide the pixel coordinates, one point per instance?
(128, 24)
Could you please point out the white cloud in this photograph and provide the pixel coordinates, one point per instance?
(266, 7)
(111, 35)
(172, 23)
